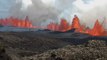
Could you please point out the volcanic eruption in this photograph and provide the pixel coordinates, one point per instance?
(15, 22)
(97, 30)
(63, 26)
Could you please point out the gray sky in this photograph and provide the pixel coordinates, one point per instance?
(5, 6)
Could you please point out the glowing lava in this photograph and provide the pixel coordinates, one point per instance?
(63, 26)
(97, 30)
(15, 22)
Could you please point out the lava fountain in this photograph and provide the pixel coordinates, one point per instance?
(97, 30)
(15, 22)
(63, 26)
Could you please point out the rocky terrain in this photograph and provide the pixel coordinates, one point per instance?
(50, 46)
(94, 50)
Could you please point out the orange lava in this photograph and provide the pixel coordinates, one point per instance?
(15, 22)
(97, 30)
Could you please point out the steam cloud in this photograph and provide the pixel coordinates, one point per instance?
(35, 9)
(45, 10)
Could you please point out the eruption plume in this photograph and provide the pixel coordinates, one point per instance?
(40, 11)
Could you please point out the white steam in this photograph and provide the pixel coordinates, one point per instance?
(26, 3)
(44, 10)
(92, 10)
(37, 10)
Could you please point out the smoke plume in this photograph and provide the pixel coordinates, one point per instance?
(36, 10)
(44, 10)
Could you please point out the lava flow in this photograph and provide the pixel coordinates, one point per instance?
(15, 22)
(97, 30)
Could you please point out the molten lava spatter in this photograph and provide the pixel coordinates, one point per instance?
(52, 26)
(97, 30)
(75, 23)
(15, 22)
(64, 26)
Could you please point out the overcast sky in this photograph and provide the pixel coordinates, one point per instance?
(5, 7)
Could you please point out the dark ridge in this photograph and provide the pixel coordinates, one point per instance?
(57, 32)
